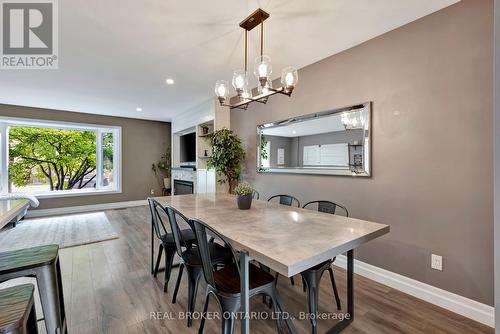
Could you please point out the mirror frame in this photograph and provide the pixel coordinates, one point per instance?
(365, 172)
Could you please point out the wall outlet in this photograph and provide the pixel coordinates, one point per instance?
(152, 192)
(437, 262)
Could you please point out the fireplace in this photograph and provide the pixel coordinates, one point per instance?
(182, 187)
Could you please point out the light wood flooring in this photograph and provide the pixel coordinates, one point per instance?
(109, 289)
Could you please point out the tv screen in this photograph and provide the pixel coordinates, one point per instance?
(188, 147)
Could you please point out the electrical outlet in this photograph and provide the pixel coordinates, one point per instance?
(152, 191)
(437, 262)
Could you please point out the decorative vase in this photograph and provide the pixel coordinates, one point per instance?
(244, 202)
(166, 183)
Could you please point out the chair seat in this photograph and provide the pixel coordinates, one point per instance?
(218, 254)
(187, 236)
(227, 279)
(28, 258)
(15, 306)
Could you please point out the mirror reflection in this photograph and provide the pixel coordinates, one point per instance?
(335, 142)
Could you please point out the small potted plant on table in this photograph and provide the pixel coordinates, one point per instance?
(244, 195)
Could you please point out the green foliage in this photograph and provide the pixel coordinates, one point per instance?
(63, 157)
(227, 155)
(263, 151)
(243, 188)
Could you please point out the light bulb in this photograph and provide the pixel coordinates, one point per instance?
(221, 90)
(289, 79)
(240, 81)
(262, 69)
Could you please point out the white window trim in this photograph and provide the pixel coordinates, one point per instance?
(5, 122)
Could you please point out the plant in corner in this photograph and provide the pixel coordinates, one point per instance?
(162, 170)
(227, 156)
(244, 198)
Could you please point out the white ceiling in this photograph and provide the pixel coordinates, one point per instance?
(116, 54)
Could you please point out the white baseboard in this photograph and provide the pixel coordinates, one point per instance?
(84, 208)
(466, 307)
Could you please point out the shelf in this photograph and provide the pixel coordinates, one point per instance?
(205, 135)
(204, 157)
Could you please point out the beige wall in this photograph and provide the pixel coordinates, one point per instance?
(143, 143)
(431, 87)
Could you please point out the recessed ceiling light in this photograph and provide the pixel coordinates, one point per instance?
(139, 109)
(170, 81)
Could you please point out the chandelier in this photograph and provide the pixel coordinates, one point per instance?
(262, 70)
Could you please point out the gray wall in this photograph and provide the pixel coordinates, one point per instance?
(497, 165)
(431, 85)
(143, 143)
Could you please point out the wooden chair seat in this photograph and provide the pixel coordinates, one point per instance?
(17, 260)
(16, 305)
(227, 279)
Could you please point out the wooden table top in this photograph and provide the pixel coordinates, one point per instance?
(10, 208)
(27, 258)
(15, 306)
(286, 239)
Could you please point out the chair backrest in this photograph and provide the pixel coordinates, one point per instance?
(156, 209)
(286, 200)
(170, 214)
(201, 233)
(255, 194)
(327, 207)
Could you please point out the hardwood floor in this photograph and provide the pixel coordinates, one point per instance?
(108, 289)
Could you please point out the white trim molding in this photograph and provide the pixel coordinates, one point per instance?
(466, 307)
(84, 208)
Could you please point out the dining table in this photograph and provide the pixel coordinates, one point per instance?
(285, 239)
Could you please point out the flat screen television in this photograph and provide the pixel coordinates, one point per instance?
(188, 147)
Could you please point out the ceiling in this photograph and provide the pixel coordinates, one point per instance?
(114, 55)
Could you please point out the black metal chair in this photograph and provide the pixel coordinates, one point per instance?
(286, 200)
(255, 194)
(311, 277)
(167, 242)
(290, 201)
(327, 207)
(190, 259)
(224, 284)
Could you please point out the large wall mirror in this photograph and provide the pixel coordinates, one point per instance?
(335, 142)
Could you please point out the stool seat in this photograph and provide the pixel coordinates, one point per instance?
(16, 304)
(23, 259)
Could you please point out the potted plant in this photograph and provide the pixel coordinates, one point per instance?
(162, 169)
(227, 156)
(244, 192)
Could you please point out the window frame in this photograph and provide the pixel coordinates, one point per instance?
(6, 122)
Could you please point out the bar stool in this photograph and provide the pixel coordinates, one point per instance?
(17, 310)
(42, 263)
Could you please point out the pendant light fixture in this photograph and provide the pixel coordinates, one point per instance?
(262, 71)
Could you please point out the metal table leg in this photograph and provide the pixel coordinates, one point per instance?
(339, 327)
(245, 292)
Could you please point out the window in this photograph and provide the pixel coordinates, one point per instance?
(51, 159)
(326, 155)
(266, 156)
